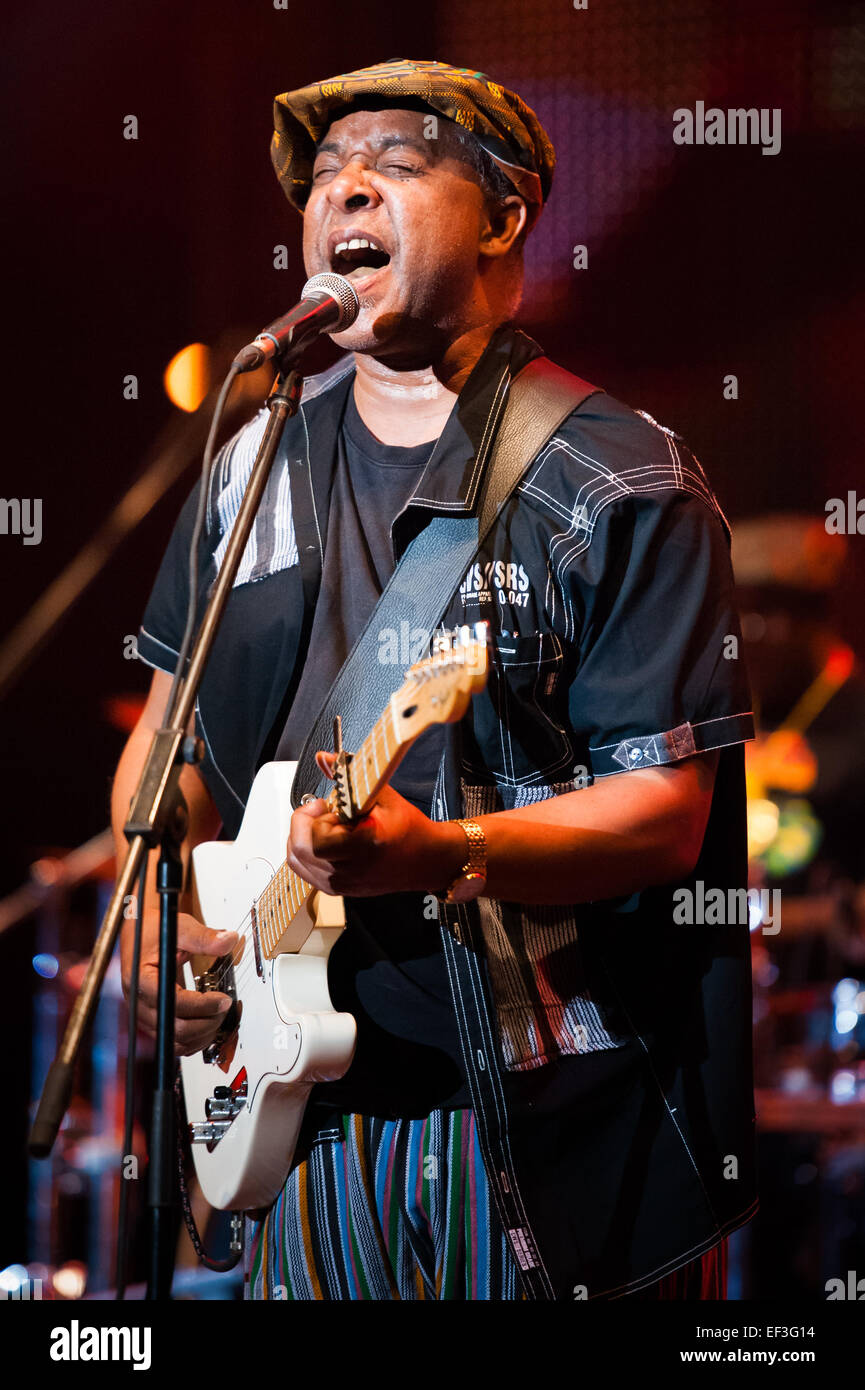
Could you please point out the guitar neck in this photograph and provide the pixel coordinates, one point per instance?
(369, 770)
(435, 691)
(277, 907)
(375, 762)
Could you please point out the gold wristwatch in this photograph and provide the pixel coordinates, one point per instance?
(471, 880)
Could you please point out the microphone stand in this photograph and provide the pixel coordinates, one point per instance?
(157, 818)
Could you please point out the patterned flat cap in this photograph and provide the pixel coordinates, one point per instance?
(503, 124)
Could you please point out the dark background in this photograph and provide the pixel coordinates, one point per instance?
(702, 261)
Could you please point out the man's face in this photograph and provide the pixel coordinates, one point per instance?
(376, 178)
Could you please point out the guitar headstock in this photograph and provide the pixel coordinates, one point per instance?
(438, 689)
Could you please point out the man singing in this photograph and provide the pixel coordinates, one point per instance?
(551, 1095)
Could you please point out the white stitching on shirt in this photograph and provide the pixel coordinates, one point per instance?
(599, 493)
(479, 457)
(213, 761)
(706, 748)
(149, 635)
(234, 466)
(695, 724)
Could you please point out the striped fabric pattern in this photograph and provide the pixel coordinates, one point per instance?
(271, 546)
(382, 1210)
(543, 1003)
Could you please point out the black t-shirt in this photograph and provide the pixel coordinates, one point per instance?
(371, 485)
(387, 969)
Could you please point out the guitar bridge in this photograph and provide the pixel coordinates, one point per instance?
(221, 1109)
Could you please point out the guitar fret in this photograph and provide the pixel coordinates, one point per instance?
(301, 889)
(272, 917)
(261, 913)
(276, 906)
(276, 915)
(275, 923)
(268, 913)
(293, 897)
(283, 915)
(353, 783)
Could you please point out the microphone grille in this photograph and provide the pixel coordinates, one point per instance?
(339, 288)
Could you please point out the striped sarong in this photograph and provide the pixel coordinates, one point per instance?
(385, 1209)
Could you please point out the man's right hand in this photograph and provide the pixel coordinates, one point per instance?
(198, 1016)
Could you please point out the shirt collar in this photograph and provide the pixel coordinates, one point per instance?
(450, 483)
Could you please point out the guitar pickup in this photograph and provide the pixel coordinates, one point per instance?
(208, 1131)
(225, 1103)
(221, 1109)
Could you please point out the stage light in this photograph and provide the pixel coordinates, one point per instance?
(187, 377)
(763, 817)
(846, 1020)
(70, 1280)
(845, 991)
(843, 1087)
(12, 1278)
(46, 966)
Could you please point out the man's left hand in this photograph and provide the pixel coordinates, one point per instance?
(393, 849)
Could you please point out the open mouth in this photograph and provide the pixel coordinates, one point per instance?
(360, 254)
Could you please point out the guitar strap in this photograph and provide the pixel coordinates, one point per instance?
(421, 587)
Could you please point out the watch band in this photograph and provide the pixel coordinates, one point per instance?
(471, 880)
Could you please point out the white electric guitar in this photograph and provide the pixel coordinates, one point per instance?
(246, 1093)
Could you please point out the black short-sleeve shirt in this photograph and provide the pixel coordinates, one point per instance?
(607, 1049)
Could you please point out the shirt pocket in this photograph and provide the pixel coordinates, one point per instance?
(517, 731)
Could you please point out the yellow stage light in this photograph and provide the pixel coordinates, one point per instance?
(187, 377)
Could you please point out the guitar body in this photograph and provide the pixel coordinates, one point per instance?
(246, 1093)
(289, 1035)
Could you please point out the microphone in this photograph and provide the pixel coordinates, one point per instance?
(328, 303)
